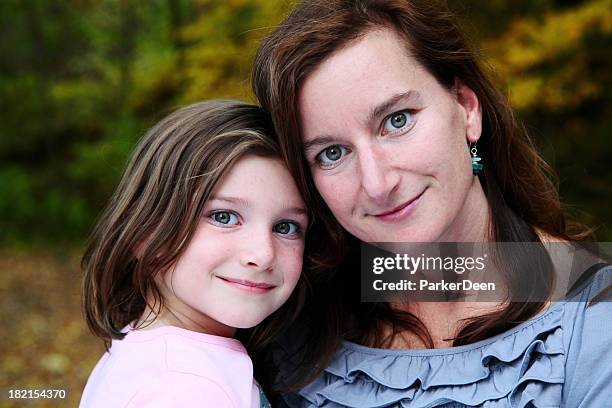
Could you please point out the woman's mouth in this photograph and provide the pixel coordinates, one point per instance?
(401, 211)
(247, 285)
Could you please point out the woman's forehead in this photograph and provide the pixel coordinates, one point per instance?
(370, 47)
(362, 79)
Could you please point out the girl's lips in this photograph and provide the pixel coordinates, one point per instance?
(400, 212)
(249, 286)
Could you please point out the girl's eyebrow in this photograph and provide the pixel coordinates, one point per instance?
(297, 210)
(233, 200)
(245, 203)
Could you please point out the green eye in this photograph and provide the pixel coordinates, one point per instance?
(286, 228)
(397, 120)
(224, 217)
(331, 154)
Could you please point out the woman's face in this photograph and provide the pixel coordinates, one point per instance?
(388, 146)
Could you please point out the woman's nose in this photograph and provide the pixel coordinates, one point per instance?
(378, 179)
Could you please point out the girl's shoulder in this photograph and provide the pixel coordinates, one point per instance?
(560, 355)
(169, 366)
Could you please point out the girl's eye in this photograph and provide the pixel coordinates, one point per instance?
(286, 228)
(397, 121)
(331, 154)
(224, 217)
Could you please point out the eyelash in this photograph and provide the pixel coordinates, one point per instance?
(320, 163)
(298, 228)
(410, 115)
(212, 215)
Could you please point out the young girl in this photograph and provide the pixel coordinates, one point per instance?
(204, 235)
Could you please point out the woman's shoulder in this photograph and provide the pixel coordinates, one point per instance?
(588, 321)
(588, 309)
(535, 362)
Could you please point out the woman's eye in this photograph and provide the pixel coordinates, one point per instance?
(224, 217)
(331, 154)
(397, 121)
(286, 228)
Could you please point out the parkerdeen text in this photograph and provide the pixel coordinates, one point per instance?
(424, 284)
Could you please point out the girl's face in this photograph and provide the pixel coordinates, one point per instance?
(246, 255)
(388, 146)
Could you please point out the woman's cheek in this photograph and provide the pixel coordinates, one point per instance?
(336, 190)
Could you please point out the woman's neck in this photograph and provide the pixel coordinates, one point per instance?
(472, 223)
(443, 321)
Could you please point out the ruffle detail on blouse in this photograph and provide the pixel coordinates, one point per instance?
(520, 368)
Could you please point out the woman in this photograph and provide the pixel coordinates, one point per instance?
(395, 133)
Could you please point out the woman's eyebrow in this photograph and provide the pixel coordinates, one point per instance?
(317, 141)
(382, 108)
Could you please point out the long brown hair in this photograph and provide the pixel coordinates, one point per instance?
(156, 207)
(520, 187)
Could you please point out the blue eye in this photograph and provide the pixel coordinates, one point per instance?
(397, 121)
(331, 154)
(287, 228)
(224, 217)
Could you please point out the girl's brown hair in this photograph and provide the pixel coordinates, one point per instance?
(156, 207)
(521, 188)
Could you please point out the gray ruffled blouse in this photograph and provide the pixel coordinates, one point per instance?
(562, 357)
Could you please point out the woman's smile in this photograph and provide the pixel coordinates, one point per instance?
(400, 212)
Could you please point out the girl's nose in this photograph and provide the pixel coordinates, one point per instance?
(258, 252)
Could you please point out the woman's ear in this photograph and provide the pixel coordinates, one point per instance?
(472, 113)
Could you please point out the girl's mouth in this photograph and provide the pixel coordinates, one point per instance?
(247, 285)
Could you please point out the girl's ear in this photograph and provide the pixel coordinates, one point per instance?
(138, 249)
(471, 109)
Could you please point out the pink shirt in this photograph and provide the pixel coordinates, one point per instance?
(172, 367)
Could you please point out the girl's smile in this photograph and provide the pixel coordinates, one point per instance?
(247, 285)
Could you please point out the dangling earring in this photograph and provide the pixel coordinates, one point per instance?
(476, 165)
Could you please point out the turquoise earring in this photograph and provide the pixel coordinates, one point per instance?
(476, 161)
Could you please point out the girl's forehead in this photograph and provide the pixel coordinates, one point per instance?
(258, 181)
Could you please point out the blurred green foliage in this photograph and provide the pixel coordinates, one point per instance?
(81, 80)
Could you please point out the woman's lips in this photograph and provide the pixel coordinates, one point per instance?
(400, 212)
(249, 286)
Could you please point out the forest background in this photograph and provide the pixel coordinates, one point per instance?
(81, 80)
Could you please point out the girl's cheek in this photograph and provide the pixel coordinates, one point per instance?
(296, 262)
